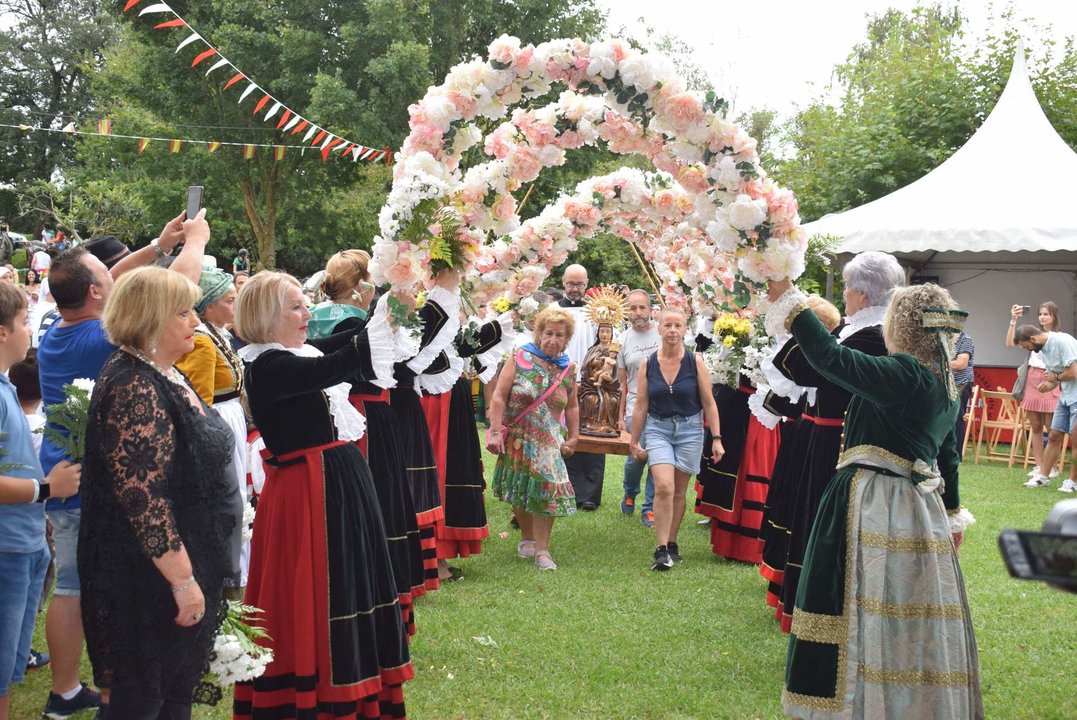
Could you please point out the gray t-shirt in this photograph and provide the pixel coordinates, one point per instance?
(635, 348)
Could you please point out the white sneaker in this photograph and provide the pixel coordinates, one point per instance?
(1037, 481)
(1034, 471)
(1068, 486)
(1054, 473)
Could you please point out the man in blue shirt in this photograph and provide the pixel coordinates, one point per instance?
(1059, 353)
(24, 555)
(961, 365)
(77, 347)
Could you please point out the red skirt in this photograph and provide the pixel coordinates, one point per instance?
(735, 530)
(321, 573)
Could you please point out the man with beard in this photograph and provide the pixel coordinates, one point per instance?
(1059, 353)
(585, 470)
(639, 341)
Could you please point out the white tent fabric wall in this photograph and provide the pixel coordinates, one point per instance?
(969, 223)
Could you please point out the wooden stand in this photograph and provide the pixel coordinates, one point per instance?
(604, 445)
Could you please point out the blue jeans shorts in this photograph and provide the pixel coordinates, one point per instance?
(676, 441)
(20, 592)
(1065, 417)
(65, 536)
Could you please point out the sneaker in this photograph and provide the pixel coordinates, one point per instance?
(628, 505)
(526, 549)
(59, 709)
(37, 660)
(1068, 486)
(1037, 481)
(674, 552)
(1054, 473)
(1034, 471)
(647, 519)
(662, 560)
(543, 560)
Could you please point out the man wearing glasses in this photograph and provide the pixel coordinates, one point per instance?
(585, 470)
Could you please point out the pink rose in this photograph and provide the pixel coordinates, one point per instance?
(403, 273)
(665, 202)
(500, 142)
(504, 207)
(464, 104)
(523, 60)
(525, 164)
(682, 110)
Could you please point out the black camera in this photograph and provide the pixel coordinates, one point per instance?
(1049, 555)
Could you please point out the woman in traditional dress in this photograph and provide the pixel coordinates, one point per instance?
(347, 285)
(161, 533)
(532, 392)
(881, 627)
(1039, 406)
(320, 564)
(216, 372)
(672, 399)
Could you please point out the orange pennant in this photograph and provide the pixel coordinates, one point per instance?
(319, 137)
(300, 127)
(214, 147)
(284, 118)
(142, 143)
(203, 55)
(261, 104)
(130, 4)
(178, 22)
(236, 78)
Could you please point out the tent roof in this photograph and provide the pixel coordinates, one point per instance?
(1010, 187)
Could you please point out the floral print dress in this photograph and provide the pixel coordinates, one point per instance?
(531, 473)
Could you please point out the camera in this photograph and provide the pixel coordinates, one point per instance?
(1049, 555)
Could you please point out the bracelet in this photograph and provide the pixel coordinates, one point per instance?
(1013, 322)
(37, 491)
(177, 589)
(715, 437)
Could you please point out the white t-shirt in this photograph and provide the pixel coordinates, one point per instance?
(635, 348)
(41, 261)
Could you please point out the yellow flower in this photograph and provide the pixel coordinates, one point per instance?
(420, 299)
(501, 305)
(729, 341)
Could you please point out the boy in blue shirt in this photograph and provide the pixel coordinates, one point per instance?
(24, 556)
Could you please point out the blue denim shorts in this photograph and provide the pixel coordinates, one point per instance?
(65, 536)
(676, 441)
(1065, 417)
(20, 593)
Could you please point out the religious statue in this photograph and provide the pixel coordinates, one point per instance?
(600, 387)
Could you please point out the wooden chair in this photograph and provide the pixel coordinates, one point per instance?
(972, 413)
(1031, 438)
(1000, 414)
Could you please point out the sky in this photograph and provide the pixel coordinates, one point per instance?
(780, 53)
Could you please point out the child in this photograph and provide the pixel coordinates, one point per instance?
(24, 556)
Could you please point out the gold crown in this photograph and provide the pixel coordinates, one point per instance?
(606, 305)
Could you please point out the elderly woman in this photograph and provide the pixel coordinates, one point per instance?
(347, 285)
(881, 627)
(672, 397)
(532, 393)
(320, 564)
(216, 372)
(161, 529)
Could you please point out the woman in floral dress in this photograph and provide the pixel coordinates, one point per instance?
(530, 474)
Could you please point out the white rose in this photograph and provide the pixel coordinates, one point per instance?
(638, 70)
(722, 234)
(725, 173)
(747, 214)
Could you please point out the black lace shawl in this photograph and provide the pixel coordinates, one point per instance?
(157, 476)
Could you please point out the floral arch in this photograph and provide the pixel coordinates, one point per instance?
(711, 220)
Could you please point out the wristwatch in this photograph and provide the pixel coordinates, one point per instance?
(43, 491)
(156, 245)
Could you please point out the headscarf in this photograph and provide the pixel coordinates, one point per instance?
(214, 284)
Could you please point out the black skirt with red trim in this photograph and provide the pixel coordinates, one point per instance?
(714, 478)
(321, 572)
(386, 460)
(421, 471)
(451, 419)
(781, 502)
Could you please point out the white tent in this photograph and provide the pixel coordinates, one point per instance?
(996, 222)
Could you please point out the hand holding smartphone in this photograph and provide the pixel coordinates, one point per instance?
(194, 201)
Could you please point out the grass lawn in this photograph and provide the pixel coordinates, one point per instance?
(604, 637)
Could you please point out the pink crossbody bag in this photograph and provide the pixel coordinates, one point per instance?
(538, 401)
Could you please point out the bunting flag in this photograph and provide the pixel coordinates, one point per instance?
(289, 118)
(329, 143)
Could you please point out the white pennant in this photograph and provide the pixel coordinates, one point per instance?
(366, 153)
(188, 41)
(343, 147)
(292, 123)
(310, 133)
(273, 111)
(219, 64)
(155, 9)
(328, 139)
(248, 91)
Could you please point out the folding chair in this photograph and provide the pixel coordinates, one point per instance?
(1031, 438)
(971, 413)
(1006, 418)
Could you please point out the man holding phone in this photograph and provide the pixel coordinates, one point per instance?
(1059, 353)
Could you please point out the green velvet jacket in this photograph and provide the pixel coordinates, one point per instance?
(899, 408)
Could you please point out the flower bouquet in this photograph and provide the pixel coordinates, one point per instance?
(66, 421)
(236, 656)
(738, 348)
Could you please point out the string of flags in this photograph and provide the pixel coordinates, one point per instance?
(288, 120)
(104, 129)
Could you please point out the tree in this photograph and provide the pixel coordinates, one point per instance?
(354, 67)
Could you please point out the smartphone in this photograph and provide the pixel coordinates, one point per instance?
(194, 200)
(1026, 309)
(1050, 557)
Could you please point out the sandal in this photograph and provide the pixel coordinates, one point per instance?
(526, 549)
(544, 561)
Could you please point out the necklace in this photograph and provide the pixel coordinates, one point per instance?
(171, 373)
